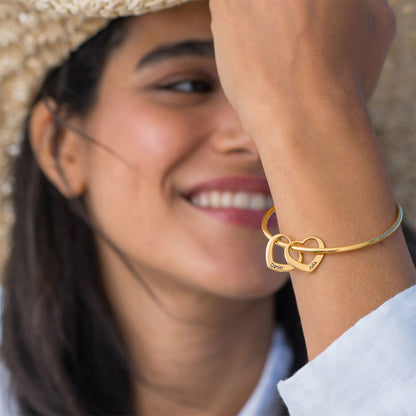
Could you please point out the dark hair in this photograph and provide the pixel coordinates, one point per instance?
(61, 342)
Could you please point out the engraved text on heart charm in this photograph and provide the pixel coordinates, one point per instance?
(298, 264)
(271, 264)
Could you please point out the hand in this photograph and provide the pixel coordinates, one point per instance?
(283, 54)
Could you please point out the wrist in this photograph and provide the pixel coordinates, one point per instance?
(324, 167)
(294, 121)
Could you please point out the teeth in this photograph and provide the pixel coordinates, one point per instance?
(229, 199)
(241, 200)
(215, 199)
(203, 200)
(258, 202)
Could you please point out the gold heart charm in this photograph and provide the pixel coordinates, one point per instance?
(299, 265)
(271, 264)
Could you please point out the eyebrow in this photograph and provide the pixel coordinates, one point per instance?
(192, 47)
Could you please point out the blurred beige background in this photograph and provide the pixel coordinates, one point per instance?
(393, 109)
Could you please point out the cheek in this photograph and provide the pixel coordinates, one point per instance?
(145, 144)
(149, 137)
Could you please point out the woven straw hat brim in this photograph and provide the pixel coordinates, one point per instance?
(36, 35)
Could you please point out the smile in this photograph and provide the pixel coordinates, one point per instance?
(241, 201)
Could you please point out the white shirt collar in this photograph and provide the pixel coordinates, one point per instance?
(265, 399)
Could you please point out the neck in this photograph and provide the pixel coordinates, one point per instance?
(192, 353)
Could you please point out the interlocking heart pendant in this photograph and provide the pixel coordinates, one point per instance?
(271, 264)
(313, 265)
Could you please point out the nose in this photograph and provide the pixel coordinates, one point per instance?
(229, 136)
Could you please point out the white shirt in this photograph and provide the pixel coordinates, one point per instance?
(265, 400)
(369, 371)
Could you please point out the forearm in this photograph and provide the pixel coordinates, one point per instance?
(298, 86)
(328, 180)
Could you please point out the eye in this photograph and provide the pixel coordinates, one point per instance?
(188, 87)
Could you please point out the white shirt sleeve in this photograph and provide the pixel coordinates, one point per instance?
(369, 371)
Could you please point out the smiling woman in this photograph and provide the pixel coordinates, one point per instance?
(136, 281)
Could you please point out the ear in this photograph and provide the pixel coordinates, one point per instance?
(62, 159)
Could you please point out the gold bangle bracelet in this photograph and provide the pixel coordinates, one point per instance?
(327, 250)
(320, 251)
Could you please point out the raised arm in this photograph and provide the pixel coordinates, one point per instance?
(299, 73)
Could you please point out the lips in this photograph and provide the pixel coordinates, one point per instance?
(240, 201)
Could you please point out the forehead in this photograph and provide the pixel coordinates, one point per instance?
(190, 20)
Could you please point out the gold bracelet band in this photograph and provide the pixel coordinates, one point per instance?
(320, 251)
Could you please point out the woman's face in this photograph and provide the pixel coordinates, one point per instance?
(186, 206)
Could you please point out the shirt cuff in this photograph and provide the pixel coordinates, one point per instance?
(370, 370)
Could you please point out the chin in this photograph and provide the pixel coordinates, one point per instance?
(244, 286)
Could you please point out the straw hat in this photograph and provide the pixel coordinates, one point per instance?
(36, 35)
